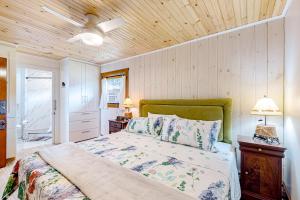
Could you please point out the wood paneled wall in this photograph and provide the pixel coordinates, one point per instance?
(244, 65)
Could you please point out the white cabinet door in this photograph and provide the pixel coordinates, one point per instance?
(76, 86)
(92, 74)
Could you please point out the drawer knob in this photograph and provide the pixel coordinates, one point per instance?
(259, 149)
(246, 172)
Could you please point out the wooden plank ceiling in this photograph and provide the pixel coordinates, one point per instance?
(150, 24)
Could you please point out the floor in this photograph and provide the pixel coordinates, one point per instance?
(23, 145)
(4, 172)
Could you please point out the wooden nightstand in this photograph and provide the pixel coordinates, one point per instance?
(116, 125)
(261, 169)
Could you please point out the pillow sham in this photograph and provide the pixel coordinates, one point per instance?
(166, 122)
(137, 125)
(165, 130)
(196, 133)
(145, 125)
(154, 126)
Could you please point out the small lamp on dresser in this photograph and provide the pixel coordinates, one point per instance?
(127, 105)
(266, 132)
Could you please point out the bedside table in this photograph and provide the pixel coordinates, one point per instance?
(261, 169)
(116, 125)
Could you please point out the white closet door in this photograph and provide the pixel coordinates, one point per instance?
(76, 87)
(92, 88)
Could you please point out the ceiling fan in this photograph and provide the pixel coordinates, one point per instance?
(92, 32)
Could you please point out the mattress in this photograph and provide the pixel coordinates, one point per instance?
(197, 173)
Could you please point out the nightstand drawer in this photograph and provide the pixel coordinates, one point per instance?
(262, 150)
(115, 124)
(114, 130)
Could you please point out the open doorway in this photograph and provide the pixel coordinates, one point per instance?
(34, 108)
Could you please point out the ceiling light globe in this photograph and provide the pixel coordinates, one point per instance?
(91, 39)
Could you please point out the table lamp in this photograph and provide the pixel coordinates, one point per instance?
(266, 107)
(127, 105)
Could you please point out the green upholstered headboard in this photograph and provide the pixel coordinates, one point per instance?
(197, 109)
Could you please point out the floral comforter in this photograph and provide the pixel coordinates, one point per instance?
(200, 174)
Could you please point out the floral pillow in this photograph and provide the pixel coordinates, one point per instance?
(144, 125)
(196, 133)
(165, 130)
(137, 125)
(154, 126)
(166, 122)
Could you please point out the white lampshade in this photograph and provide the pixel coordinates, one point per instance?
(128, 103)
(265, 106)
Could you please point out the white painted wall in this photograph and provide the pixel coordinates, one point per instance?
(292, 99)
(36, 61)
(231, 65)
(9, 52)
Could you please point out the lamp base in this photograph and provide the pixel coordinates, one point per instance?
(266, 133)
(128, 115)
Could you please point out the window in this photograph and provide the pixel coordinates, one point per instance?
(114, 88)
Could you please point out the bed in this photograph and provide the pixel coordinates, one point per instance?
(173, 170)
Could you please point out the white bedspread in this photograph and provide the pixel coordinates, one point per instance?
(99, 178)
(186, 171)
(197, 173)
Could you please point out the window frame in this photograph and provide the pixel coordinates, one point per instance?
(117, 74)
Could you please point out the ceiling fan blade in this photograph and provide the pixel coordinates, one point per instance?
(111, 24)
(74, 39)
(62, 16)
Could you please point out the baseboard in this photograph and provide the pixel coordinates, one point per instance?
(285, 192)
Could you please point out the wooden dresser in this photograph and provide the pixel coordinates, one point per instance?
(116, 125)
(261, 169)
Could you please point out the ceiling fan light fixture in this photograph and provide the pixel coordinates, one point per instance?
(91, 39)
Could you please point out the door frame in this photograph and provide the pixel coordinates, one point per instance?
(3, 118)
(55, 97)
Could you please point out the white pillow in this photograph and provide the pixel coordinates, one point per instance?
(161, 115)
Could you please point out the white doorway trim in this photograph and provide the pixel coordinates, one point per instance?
(55, 97)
